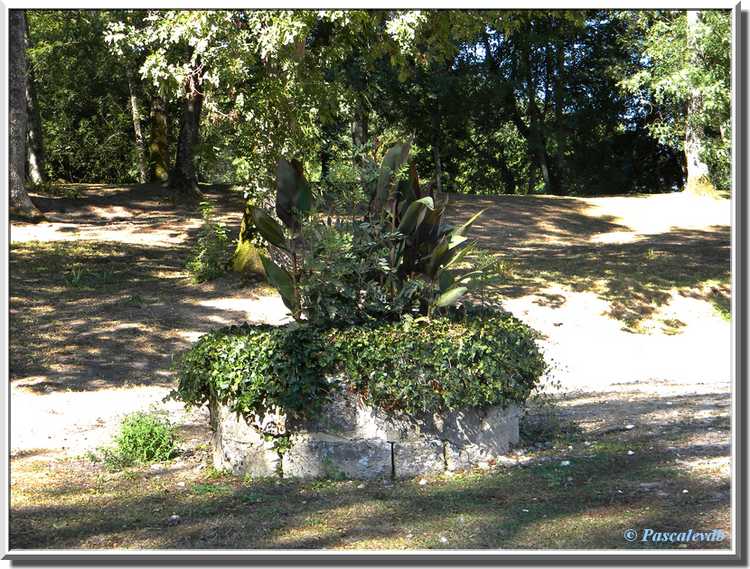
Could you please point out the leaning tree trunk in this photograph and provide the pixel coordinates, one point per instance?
(698, 181)
(20, 204)
(34, 138)
(158, 143)
(183, 178)
(140, 148)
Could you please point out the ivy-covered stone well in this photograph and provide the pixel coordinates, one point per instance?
(389, 399)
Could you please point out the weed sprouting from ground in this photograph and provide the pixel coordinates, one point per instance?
(210, 255)
(144, 438)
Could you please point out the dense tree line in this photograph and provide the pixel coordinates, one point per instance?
(558, 102)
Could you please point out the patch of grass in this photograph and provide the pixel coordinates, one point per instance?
(83, 277)
(580, 497)
(72, 302)
(213, 473)
(144, 438)
(212, 489)
(722, 304)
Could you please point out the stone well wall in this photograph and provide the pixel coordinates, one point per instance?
(356, 441)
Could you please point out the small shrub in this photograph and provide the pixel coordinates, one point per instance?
(93, 277)
(74, 277)
(401, 257)
(212, 251)
(143, 438)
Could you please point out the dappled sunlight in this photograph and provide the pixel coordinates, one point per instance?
(616, 237)
(265, 309)
(632, 252)
(587, 350)
(120, 317)
(513, 221)
(662, 213)
(648, 455)
(143, 214)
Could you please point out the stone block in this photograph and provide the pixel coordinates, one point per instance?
(418, 457)
(350, 439)
(317, 455)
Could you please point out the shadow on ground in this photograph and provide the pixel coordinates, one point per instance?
(145, 204)
(548, 241)
(623, 480)
(86, 314)
(91, 315)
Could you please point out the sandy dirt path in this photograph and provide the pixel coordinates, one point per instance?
(66, 404)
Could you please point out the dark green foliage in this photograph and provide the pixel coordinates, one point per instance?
(83, 97)
(344, 276)
(400, 258)
(418, 365)
(143, 438)
(497, 101)
(211, 254)
(256, 370)
(410, 366)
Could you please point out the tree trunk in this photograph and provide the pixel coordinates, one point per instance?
(698, 181)
(360, 128)
(325, 163)
(34, 138)
(20, 204)
(509, 180)
(183, 178)
(158, 145)
(536, 138)
(140, 148)
(438, 166)
(532, 134)
(328, 131)
(560, 126)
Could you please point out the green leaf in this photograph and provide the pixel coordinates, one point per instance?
(461, 229)
(269, 228)
(304, 199)
(458, 257)
(456, 240)
(281, 280)
(286, 181)
(393, 160)
(436, 258)
(450, 296)
(445, 280)
(414, 215)
(293, 193)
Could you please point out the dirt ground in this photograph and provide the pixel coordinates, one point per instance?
(630, 293)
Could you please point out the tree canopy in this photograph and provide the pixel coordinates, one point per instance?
(559, 102)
